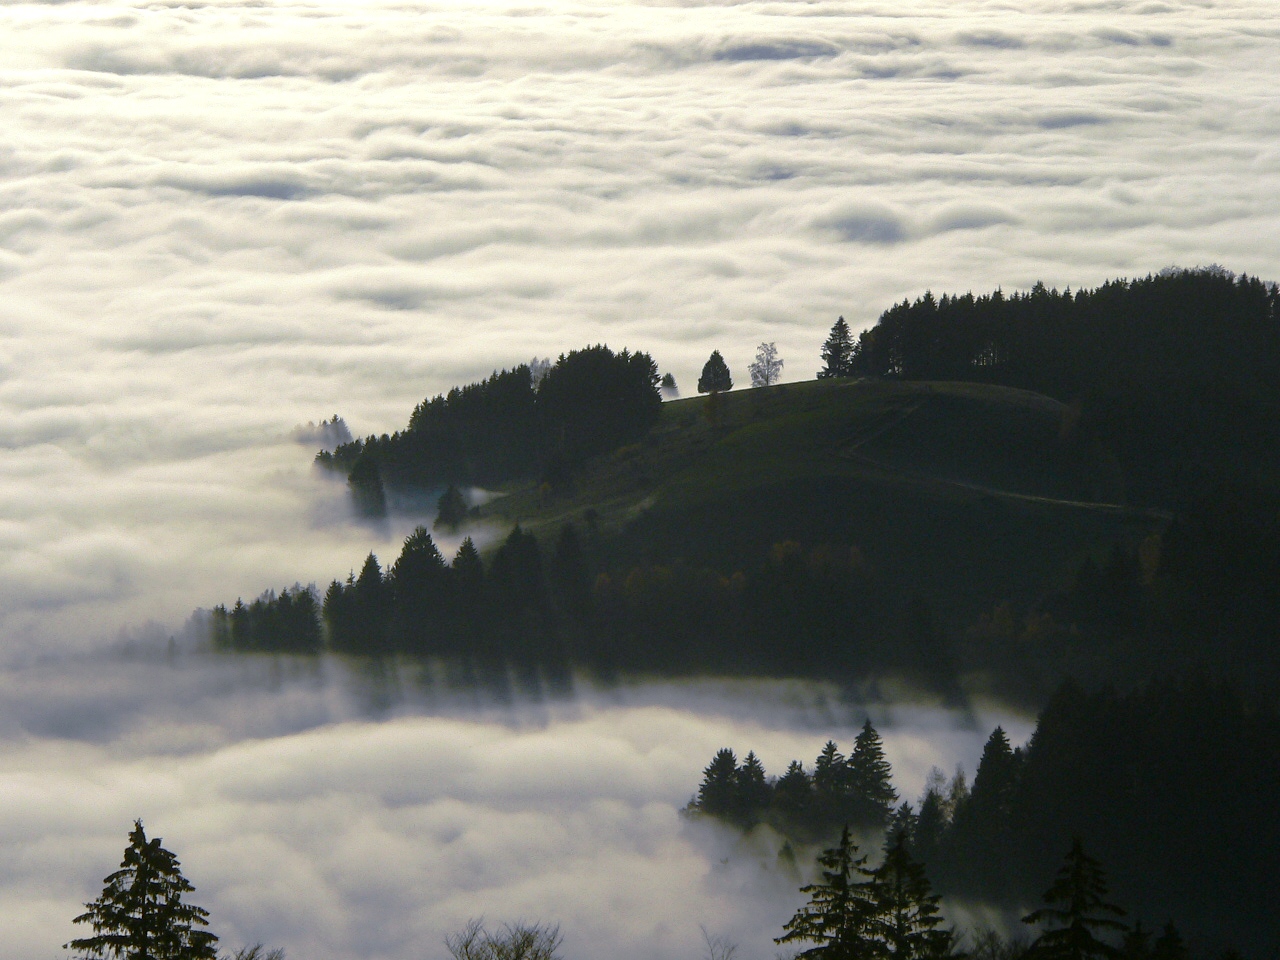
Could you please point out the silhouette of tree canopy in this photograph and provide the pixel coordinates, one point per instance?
(516, 941)
(715, 376)
(842, 908)
(284, 623)
(907, 913)
(719, 784)
(508, 426)
(1172, 374)
(1184, 765)
(870, 777)
(1077, 906)
(837, 352)
(451, 509)
(767, 366)
(141, 914)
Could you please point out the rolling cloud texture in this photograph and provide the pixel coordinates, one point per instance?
(220, 222)
(346, 813)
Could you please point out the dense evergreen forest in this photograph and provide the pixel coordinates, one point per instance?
(512, 425)
(873, 577)
(1173, 786)
(1174, 375)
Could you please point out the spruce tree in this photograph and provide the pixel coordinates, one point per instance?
(830, 771)
(451, 509)
(140, 914)
(754, 792)
(907, 916)
(1076, 902)
(870, 777)
(837, 352)
(841, 910)
(719, 787)
(983, 835)
(902, 822)
(793, 793)
(715, 375)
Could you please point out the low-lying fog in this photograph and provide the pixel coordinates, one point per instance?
(358, 812)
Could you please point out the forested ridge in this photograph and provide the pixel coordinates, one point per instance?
(1172, 785)
(511, 425)
(938, 532)
(1173, 374)
(1159, 798)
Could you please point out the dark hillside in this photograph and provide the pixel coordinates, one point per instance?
(960, 495)
(1173, 376)
(1093, 494)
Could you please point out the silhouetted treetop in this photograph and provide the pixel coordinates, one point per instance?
(509, 425)
(715, 375)
(1174, 373)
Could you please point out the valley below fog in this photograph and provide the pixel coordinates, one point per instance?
(339, 809)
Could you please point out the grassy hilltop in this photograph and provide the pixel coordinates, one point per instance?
(962, 494)
(1015, 489)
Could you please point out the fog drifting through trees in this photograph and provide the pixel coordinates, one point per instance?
(340, 812)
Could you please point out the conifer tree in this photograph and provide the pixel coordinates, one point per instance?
(830, 771)
(932, 821)
(870, 776)
(753, 789)
(140, 914)
(718, 790)
(1076, 902)
(837, 352)
(907, 916)
(841, 910)
(451, 509)
(793, 793)
(902, 822)
(715, 375)
(468, 570)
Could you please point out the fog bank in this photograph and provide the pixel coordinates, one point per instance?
(343, 811)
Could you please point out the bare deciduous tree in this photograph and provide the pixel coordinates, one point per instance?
(516, 941)
(767, 366)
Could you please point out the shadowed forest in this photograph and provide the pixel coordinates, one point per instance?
(1068, 500)
(1170, 785)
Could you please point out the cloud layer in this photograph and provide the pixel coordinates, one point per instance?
(342, 814)
(220, 221)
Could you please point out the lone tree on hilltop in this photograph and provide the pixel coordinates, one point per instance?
(837, 352)
(140, 914)
(767, 366)
(715, 375)
(1076, 902)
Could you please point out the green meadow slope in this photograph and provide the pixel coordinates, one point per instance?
(962, 495)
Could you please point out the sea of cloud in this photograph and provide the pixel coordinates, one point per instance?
(221, 221)
(342, 811)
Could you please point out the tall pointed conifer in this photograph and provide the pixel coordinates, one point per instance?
(141, 915)
(841, 910)
(1077, 907)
